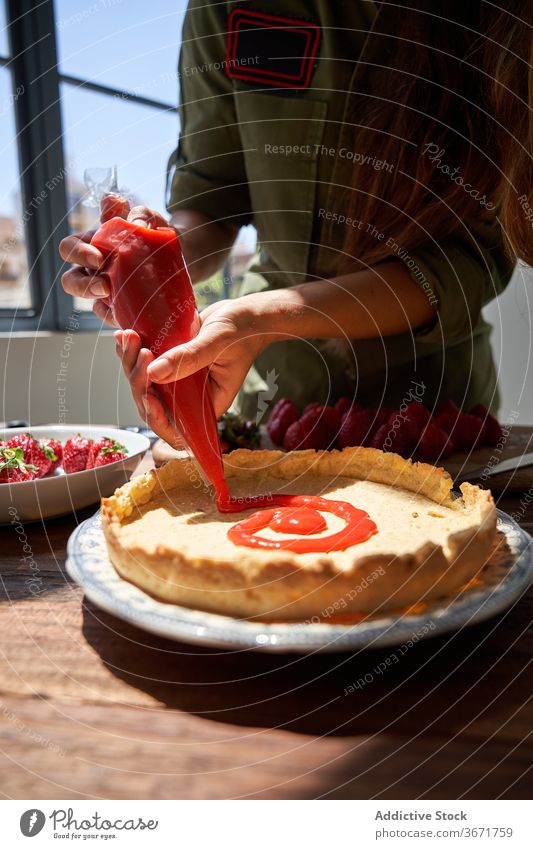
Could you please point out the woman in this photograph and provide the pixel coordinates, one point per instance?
(384, 155)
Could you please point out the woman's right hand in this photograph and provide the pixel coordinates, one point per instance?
(86, 278)
(83, 279)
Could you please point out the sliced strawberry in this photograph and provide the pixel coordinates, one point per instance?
(55, 446)
(35, 454)
(434, 444)
(13, 468)
(76, 453)
(105, 446)
(283, 414)
(355, 429)
(94, 449)
(109, 455)
(493, 433)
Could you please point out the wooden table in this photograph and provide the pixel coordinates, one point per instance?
(91, 707)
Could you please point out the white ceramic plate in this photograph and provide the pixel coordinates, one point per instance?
(502, 581)
(44, 498)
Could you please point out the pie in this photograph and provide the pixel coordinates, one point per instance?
(164, 534)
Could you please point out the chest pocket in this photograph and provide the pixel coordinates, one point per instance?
(280, 136)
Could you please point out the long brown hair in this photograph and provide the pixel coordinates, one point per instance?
(446, 99)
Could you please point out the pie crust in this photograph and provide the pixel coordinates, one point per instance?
(165, 535)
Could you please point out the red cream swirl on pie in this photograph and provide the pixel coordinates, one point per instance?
(301, 514)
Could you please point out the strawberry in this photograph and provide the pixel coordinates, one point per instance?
(315, 405)
(379, 437)
(466, 431)
(296, 437)
(493, 432)
(446, 405)
(110, 454)
(57, 449)
(346, 404)
(321, 426)
(417, 413)
(404, 434)
(447, 420)
(34, 454)
(283, 414)
(398, 434)
(13, 468)
(355, 429)
(104, 446)
(94, 449)
(381, 415)
(75, 453)
(434, 443)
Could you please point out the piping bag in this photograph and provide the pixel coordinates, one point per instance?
(152, 293)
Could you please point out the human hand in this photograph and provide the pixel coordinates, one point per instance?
(87, 279)
(231, 336)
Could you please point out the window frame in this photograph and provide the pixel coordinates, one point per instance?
(41, 154)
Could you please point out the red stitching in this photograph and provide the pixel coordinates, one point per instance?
(310, 30)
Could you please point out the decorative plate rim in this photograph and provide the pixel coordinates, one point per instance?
(218, 631)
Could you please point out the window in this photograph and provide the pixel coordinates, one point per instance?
(14, 279)
(15, 288)
(81, 85)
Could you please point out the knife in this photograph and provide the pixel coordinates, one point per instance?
(512, 464)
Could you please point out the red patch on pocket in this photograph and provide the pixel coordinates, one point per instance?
(271, 50)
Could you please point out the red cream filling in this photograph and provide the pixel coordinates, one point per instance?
(302, 515)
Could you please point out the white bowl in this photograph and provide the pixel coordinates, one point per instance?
(59, 494)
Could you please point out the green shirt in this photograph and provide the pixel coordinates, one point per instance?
(282, 159)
